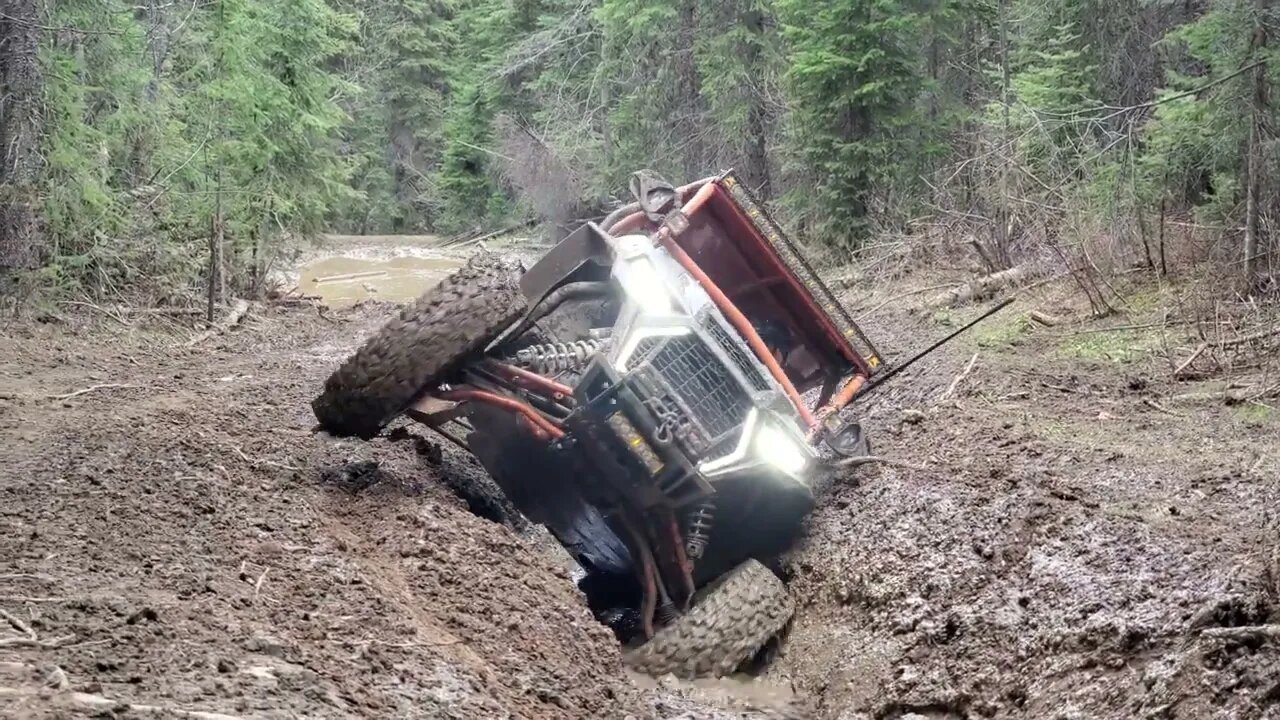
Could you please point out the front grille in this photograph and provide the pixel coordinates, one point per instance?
(715, 403)
(735, 352)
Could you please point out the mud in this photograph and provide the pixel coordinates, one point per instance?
(345, 270)
(174, 534)
(185, 541)
(1062, 552)
(344, 281)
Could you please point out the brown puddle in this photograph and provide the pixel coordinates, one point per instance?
(343, 281)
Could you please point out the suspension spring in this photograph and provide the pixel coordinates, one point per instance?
(548, 358)
(698, 535)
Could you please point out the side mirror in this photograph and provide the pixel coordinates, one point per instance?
(849, 440)
(656, 196)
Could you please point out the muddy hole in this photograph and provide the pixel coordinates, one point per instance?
(344, 276)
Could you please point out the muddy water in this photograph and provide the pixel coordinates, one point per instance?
(346, 279)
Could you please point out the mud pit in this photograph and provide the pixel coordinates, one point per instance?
(177, 537)
(386, 268)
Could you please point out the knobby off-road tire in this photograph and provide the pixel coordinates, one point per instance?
(421, 347)
(735, 618)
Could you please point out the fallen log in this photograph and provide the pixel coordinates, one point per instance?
(234, 316)
(983, 286)
(349, 276)
(1260, 335)
(1044, 319)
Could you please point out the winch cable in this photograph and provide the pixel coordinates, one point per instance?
(881, 379)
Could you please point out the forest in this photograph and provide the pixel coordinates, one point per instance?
(149, 144)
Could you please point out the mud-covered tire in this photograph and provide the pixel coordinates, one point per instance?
(421, 346)
(480, 492)
(733, 619)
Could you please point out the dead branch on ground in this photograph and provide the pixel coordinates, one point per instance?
(91, 388)
(1160, 408)
(234, 316)
(951, 389)
(28, 637)
(877, 460)
(1248, 632)
(1177, 373)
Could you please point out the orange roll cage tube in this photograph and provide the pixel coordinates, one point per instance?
(636, 220)
(667, 237)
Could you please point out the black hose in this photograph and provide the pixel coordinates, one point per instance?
(612, 218)
(556, 298)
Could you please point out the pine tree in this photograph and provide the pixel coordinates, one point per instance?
(853, 81)
(419, 40)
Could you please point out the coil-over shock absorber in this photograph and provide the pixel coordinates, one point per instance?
(698, 534)
(548, 358)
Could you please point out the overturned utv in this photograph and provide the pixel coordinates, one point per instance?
(659, 390)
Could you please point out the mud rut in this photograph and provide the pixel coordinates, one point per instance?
(178, 538)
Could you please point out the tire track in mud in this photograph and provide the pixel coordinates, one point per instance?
(180, 532)
(1057, 561)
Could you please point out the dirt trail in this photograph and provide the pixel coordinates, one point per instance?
(185, 541)
(173, 534)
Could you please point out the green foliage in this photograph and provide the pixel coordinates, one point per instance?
(146, 140)
(853, 78)
(288, 117)
(1117, 346)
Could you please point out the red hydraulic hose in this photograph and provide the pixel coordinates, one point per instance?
(506, 403)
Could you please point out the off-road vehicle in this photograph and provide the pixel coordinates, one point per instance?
(655, 390)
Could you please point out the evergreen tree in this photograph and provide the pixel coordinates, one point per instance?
(853, 81)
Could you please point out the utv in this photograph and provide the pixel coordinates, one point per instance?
(655, 391)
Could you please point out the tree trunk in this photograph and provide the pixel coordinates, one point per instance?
(1002, 204)
(689, 92)
(757, 170)
(1254, 246)
(20, 123)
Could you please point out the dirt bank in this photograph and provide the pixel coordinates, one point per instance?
(177, 535)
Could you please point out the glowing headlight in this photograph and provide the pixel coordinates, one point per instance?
(778, 449)
(645, 286)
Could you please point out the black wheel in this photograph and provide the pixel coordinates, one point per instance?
(421, 347)
(478, 490)
(733, 618)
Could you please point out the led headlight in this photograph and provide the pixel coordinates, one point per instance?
(646, 288)
(766, 442)
(778, 449)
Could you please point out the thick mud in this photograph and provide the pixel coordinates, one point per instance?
(1063, 551)
(391, 268)
(172, 534)
(178, 537)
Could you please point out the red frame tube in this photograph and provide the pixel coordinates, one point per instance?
(726, 306)
(528, 413)
(636, 220)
